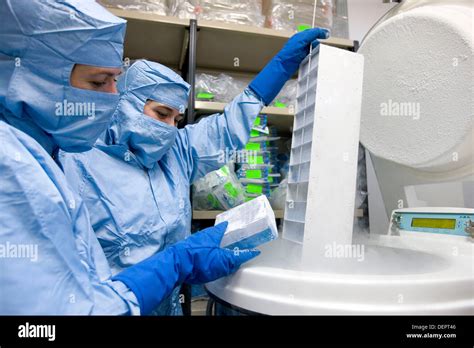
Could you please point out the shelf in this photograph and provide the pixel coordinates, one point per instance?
(211, 214)
(281, 118)
(252, 46)
(204, 107)
(164, 39)
(154, 37)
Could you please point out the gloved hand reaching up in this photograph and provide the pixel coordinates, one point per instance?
(197, 259)
(268, 83)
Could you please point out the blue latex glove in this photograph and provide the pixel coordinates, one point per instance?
(268, 83)
(195, 260)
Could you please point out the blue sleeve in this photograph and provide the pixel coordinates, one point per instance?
(51, 261)
(202, 147)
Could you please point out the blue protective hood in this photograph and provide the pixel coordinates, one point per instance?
(40, 41)
(133, 132)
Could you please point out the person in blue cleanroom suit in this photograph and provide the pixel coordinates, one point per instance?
(136, 180)
(58, 61)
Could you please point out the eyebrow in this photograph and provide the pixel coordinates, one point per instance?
(164, 107)
(107, 74)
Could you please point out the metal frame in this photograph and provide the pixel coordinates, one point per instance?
(189, 69)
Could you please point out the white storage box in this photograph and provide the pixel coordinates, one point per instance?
(250, 224)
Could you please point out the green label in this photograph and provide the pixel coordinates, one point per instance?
(253, 174)
(256, 160)
(252, 147)
(254, 133)
(257, 121)
(213, 201)
(302, 27)
(231, 190)
(252, 188)
(204, 95)
(225, 170)
(279, 104)
(270, 179)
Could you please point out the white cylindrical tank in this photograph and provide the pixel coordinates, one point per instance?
(418, 99)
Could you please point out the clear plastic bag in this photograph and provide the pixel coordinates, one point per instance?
(247, 12)
(250, 225)
(218, 190)
(159, 7)
(297, 15)
(361, 189)
(278, 196)
(218, 88)
(340, 20)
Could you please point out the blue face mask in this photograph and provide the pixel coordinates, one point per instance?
(131, 130)
(148, 139)
(76, 120)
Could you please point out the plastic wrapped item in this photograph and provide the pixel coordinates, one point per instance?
(268, 134)
(361, 190)
(258, 176)
(278, 196)
(246, 12)
(218, 88)
(250, 225)
(159, 7)
(284, 164)
(297, 15)
(218, 190)
(340, 20)
(287, 96)
(260, 147)
(256, 190)
(264, 158)
(260, 124)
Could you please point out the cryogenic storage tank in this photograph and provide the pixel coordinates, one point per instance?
(416, 122)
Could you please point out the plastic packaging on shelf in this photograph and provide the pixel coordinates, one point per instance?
(287, 96)
(260, 146)
(256, 190)
(246, 12)
(159, 7)
(256, 158)
(219, 88)
(260, 124)
(258, 176)
(250, 225)
(340, 20)
(218, 190)
(278, 196)
(361, 190)
(297, 15)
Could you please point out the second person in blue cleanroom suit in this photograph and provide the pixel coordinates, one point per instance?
(136, 180)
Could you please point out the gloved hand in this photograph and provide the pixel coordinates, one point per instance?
(268, 83)
(197, 259)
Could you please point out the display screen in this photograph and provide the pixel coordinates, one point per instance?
(449, 224)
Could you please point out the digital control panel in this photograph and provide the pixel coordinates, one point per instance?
(450, 222)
